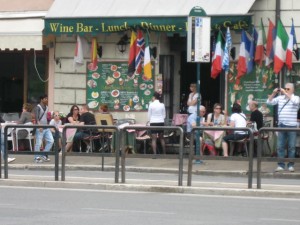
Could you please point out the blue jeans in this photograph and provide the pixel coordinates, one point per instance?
(47, 135)
(286, 137)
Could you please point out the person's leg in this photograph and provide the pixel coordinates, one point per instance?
(68, 147)
(225, 148)
(291, 146)
(281, 143)
(49, 139)
(153, 141)
(38, 142)
(162, 142)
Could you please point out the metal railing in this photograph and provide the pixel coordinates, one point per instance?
(102, 128)
(260, 158)
(192, 156)
(5, 155)
(149, 128)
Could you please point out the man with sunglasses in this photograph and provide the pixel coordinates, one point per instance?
(288, 105)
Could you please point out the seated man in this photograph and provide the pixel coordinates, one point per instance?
(192, 122)
(86, 118)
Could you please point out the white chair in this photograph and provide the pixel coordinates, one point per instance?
(29, 136)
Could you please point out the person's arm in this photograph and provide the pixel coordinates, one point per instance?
(270, 99)
(193, 98)
(22, 119)
(209, 122)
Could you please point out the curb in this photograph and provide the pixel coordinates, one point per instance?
(154, 188)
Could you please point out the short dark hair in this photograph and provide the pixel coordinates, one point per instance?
(236, 108)
(43, 96)
(157, 96)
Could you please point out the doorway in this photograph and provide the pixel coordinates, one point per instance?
(210, 89)
(19, 82)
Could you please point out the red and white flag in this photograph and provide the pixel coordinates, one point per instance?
(216, 65)
(260, 46)
(81, 50)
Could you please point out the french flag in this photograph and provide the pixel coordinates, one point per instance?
(292, 47)
(244, 56)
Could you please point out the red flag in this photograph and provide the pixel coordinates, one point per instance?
(140, 48)
(270, 42)
(94, 57)
(132, 53)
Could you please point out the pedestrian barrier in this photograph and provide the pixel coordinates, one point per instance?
(260, 158)
(198, 156)
(5, 155)
(101, 128)
(149, 128)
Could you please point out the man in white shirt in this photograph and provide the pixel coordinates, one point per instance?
(288, 105)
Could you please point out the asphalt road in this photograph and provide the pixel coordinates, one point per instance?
(21, 205)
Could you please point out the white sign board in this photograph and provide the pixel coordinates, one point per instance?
(198, 39)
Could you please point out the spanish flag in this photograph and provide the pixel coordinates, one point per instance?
(94, 57)
(132, 53)
(147, 60)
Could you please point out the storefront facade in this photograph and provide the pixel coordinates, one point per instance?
(167, 28)
(50, 67)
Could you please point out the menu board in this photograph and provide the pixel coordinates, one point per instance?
(109, 84)
(254, 86)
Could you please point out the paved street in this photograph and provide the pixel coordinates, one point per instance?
(77, 207)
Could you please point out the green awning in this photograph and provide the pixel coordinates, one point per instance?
(94, 26)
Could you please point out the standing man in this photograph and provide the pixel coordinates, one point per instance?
(288, 105)
(41, 111)
(256, 115)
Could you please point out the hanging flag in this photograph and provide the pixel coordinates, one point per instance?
(260, 46)
(270, 43)
(226, 57)
(132, 53)
(147, 60)
(253, 42)
(216, 65)
(281, 43)
(244, 55)
(292, 47)
(140, 48)
(80, 50)
(94, 57)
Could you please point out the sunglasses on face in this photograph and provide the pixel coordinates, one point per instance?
(287, 89)
(75, 109)
(218, 108)
(56, 115)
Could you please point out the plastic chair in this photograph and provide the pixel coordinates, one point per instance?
(29, 136)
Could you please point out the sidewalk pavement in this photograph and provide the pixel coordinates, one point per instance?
(225, 168)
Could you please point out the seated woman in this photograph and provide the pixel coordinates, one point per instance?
(237, 119)
(72, 118)
(26, 117)
(216, 118)
(56, 121)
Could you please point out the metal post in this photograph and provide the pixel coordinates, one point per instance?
(198, 143)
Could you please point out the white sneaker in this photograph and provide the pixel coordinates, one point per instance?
(279, 169)
(45, 158)
(9, 160)
(291, 169)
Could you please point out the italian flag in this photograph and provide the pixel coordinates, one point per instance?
(147, 60)
(261, 41)
(216, 66)
(281, 43)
